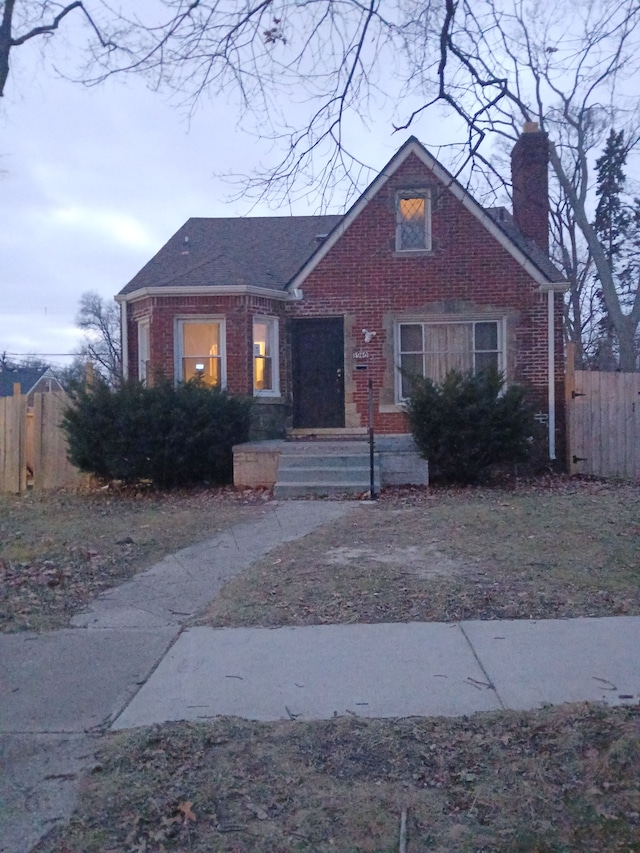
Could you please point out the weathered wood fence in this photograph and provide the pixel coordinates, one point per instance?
(603, 413)
(33, 447)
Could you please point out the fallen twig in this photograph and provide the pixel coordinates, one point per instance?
(604, 681)
(403, 832)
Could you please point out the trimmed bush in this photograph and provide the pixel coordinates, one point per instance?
(466, 425)
(171, 436)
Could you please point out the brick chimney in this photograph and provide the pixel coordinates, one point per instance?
(530, 180)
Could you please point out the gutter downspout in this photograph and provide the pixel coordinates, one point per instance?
(551, 368)
(124, 333)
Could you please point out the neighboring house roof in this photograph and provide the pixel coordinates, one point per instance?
(264, 252)
(278, 252)
(28, 377)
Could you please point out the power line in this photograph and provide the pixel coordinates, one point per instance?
(45, 312)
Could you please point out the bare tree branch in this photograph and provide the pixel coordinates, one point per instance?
(8, 41)
(102, 345)
(305, 74)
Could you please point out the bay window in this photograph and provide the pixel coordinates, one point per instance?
(265, 356)
(143, 350)
(200, 350)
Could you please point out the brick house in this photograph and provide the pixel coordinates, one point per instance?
(303, 311)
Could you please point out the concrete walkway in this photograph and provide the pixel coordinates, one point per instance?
(127, 662)
(59, 690)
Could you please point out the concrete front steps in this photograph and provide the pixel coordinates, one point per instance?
(325, 468)
(328, 465)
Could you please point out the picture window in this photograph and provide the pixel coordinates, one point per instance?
(431, 350)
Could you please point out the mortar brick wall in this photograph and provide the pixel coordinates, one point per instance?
(530, 179)
(364, 280)
(467, 272)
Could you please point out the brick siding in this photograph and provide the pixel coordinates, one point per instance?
(467, 272)
(372, 286)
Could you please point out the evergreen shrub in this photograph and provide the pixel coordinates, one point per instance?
(468, 424)
(169, 435)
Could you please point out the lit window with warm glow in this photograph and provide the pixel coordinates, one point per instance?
(200, 352)
(413, 226)
(265, 360)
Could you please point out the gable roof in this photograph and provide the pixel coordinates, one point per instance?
(503, 229)
(505, 221)
(262, 251)
(28, 377)
(277, 253)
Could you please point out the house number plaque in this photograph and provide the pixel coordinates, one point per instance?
(360, 354)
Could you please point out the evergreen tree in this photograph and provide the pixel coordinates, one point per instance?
(612, 215)
(617, 224)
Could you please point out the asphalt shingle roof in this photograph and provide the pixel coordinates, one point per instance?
(26, 376)
(265, 251)
(268, 251)
(504, 220)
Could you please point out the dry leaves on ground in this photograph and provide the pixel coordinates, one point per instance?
(554, 780)
(60, 549)
(567, 549)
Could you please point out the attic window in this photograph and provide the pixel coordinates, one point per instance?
(413, 223)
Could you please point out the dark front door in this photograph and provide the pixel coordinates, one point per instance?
(318, 373)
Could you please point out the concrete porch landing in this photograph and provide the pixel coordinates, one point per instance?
(323, 466)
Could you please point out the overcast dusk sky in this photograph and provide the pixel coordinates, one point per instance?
(94, 181)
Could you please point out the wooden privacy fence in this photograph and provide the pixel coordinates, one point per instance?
(33, 447)
(604, 423)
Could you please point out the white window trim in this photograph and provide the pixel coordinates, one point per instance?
(426, 195)
(439, 321)
(143, 332)
(274, 332)
(178, 342)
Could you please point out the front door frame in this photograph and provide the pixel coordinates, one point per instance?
(317, 348)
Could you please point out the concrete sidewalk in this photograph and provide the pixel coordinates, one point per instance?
(127, 662)
(394, 670)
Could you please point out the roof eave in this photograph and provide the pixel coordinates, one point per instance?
(207, 290)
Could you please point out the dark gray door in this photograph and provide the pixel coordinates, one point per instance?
(318, 373)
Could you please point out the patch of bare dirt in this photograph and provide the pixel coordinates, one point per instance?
(552, 781)
(60, 549)
(425, 561)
